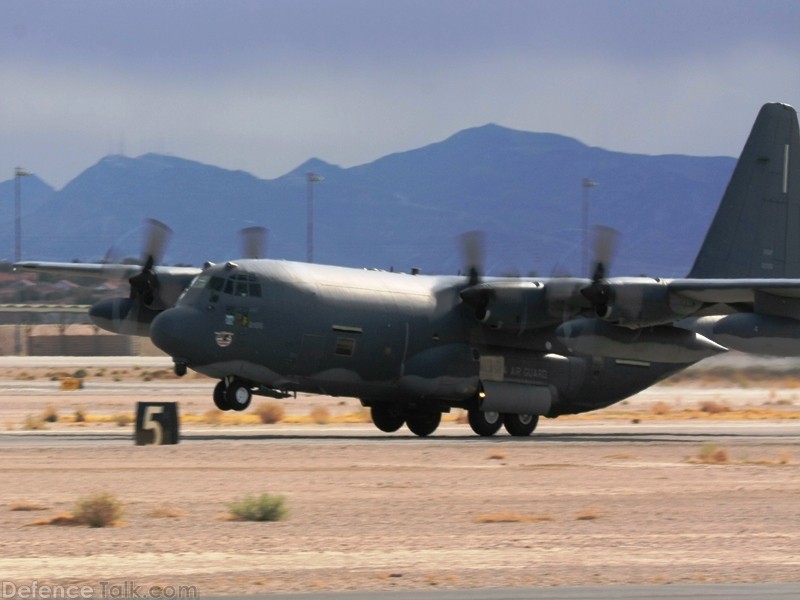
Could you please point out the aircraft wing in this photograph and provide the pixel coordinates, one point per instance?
(729, 291)
(101, 270)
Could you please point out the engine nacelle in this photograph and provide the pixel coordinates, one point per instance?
(643, 302)
(123, 316)
(509, 306)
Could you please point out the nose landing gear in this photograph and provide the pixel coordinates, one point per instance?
(180, 368)
(232, 394)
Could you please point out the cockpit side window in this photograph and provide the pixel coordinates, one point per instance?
(216, 283)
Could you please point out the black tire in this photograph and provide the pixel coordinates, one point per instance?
(180, 369)
(484, 423)
(220, 400)
(387, 417)
(423, 423)
(238, 395)
(520, 425)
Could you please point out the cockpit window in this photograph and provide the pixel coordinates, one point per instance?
(216, 283)
(200, 281)
(241, 285)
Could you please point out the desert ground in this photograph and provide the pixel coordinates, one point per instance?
(663, 489)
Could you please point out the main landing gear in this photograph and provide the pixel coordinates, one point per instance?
(232, 394)
(391, 417)
(488, 423)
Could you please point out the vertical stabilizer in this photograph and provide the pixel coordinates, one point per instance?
(756, 231)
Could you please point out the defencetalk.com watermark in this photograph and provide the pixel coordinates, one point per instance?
(36, 590)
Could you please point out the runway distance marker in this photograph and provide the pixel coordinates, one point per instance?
(156, 423)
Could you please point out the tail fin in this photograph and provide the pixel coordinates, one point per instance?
(756, 231)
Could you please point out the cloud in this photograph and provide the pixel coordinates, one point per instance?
(263, 86)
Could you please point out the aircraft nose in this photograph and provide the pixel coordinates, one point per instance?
(177, 331)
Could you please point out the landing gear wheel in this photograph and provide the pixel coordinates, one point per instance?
(520, 425)
(387, 417)
(423, 423)
(180, 369)
(220, 401)
(238, 395)
(485, 423)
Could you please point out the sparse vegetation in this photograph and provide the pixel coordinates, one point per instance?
(259, 508)
(510, 517)
(270, 412)
(79, 416)
(588, 514)
(123, 419)
(166, 512)
(712, 407)
(213, 416)
(24, 506)
(711, 454)
(100, 510)
(50, 414)
(661, 408)
(33, 423)
(320, 415)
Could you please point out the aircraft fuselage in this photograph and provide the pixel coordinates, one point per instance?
(382, 337)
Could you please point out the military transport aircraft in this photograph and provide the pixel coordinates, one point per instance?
(508, 350)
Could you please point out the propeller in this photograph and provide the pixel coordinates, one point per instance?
(473, 251)
(254, 242)
(144, 285)
(599, 292)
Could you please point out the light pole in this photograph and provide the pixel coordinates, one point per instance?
(586, 184)
(19, 173)
(311, 179)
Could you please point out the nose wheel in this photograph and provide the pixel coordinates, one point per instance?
(232, 394)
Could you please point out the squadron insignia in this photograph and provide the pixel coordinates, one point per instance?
(223, 338)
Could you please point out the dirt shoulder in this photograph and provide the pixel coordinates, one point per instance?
(371, 512)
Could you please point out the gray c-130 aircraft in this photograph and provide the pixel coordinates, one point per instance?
(508, 350)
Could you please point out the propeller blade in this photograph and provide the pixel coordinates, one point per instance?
(144, 285)
(254, 242)
(605, 247)
(473, 250)
(599, 292)
(156, 238)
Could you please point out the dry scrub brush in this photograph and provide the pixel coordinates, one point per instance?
(320, 415)
(510, 517)
(710, 454)
(270, 412)
(100, 510)
(259, 508)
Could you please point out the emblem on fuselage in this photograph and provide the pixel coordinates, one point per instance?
(223, 338)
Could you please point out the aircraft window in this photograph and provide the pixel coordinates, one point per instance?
(216, 283)
(241, 285)
(200, 281)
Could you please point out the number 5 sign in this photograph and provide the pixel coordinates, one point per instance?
(156, 423)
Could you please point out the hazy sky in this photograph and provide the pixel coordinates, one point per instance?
(264, 86)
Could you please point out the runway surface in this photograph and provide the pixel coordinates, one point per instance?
(594, 509)
(634, 592)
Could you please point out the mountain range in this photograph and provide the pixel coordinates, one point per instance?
(404, 210)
